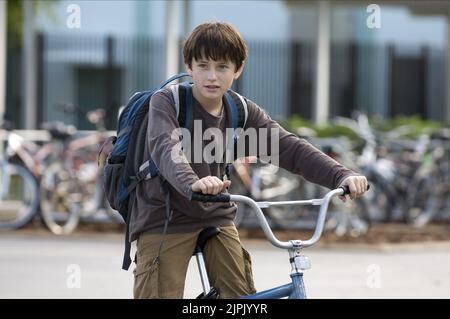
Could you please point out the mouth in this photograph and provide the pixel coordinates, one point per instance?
(212, 87)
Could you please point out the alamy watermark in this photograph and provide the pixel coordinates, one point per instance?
(74, 278)
(224, 149)
(374, 276)
(374, 19)
(73, 21)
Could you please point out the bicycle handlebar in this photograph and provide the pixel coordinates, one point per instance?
(219, 198)
(256, 206)
(224, 198)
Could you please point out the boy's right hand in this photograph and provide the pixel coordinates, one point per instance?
(211, 185)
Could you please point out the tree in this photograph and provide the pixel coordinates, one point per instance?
(15, 21)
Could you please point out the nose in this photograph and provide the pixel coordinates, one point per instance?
(212, 75)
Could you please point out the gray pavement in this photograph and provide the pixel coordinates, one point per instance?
(88, 266)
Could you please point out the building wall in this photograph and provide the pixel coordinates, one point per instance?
(267, 75)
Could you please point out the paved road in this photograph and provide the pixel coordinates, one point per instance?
(88, 266)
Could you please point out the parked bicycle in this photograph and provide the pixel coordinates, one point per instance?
(430, 198)
(21, 165)
(71, 186)
(267, 182)
(389, 163)
(299, 263)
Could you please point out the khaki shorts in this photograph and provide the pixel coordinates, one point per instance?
(228, 264)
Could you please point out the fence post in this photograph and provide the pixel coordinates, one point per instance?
(109, 81)
(350, 106)
(3, 55)
(172, 50)
(322, 78)
(425, 55)
(295, 107)
(391, 75)
(29, 65)
(40, 47)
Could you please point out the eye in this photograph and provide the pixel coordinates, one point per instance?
(202, 65)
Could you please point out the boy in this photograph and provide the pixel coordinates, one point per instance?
(214, 55)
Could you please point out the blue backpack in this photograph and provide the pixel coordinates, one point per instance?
(125, 167)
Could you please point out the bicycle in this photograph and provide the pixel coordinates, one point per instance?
(21, 165)
(430, 198)
(71, 186)
(296, 288)
(265, 182)
(389, 162)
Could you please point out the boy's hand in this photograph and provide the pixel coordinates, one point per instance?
(357, 186)
(210, 185)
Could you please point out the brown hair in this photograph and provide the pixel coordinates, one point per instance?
(216, 41)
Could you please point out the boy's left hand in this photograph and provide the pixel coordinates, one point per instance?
(357, 186)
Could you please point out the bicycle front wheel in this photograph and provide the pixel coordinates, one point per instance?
(19, 199)
(61, 199)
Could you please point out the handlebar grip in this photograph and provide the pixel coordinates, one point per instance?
(347, 189)
(199, 197)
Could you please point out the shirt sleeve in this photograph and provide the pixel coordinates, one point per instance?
(164, 145)
(293, 153)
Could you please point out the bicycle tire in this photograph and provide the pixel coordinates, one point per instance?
(424, 201)
(61, 199)
(16, 212)
(382, 199)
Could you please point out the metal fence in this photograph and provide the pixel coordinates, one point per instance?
(97, 71)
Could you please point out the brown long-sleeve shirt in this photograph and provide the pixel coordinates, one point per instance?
(148, 210)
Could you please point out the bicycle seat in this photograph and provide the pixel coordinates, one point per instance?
(59, 130)
(205, 235)
(96, 116)
(7, 125)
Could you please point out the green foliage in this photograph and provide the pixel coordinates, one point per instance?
(330, 130)
(15, 18)
(327, 130)
(412, 125)
(296, 121)
(14, 23)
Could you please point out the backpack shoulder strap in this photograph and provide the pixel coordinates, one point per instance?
(238, 108)
(182, 95)
(238, 111)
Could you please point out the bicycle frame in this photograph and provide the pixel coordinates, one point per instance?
(299, 263)
(32, 155)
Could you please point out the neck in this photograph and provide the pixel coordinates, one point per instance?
(212, 106)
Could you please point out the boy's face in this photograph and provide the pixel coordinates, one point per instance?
(213, 78)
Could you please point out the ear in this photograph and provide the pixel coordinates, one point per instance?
(238, 73)
(188, 69)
